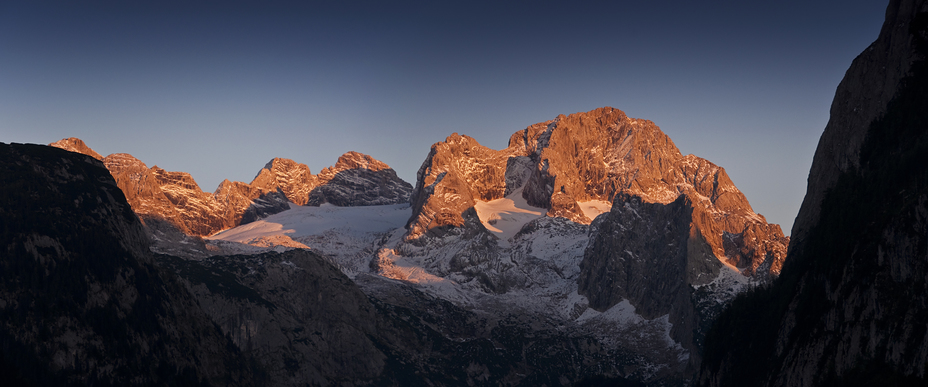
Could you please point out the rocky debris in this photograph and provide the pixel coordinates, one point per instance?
(850, 305)
(81, 302)
(306, 322)
(593, 156)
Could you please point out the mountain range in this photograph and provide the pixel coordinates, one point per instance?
(492, 231)
(589, 251)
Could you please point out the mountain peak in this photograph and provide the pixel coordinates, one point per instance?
(293, 179)
(355, 160)
(582, 158)
(76, 145)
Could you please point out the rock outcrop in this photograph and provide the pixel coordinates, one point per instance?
(305, 322)
(851, 303)
(654, 256)
(593, 156)
(81, 301)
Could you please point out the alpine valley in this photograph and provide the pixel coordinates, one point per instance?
(589, 251)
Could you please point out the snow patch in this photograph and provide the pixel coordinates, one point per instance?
(505, 217)
(622, 314)
(301, 221)
(594, 208)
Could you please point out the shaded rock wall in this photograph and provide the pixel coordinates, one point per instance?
(851, 303)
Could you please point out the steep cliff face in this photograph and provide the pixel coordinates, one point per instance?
(241, 203)
(81, 302)
(851, 304)
(176, 199)
(592, 156)
(862, 97)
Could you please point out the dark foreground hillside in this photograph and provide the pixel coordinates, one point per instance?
(81, 301)
(850, 307)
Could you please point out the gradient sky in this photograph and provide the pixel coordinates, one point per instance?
(217, 89)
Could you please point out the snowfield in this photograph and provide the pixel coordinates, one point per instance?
(505, 217)
(302, 221)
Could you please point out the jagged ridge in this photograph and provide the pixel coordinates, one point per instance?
(162, 197)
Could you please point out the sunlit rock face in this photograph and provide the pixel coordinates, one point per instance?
(851, 303)
(76, 145)
(592, 156)
(81, 301)
(174, 197)
(292, 178)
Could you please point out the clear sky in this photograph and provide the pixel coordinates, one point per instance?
(219, 88)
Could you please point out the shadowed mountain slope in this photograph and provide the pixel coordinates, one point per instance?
(851, 305)
(81, 302)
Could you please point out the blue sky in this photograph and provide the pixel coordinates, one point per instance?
(217, 89)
